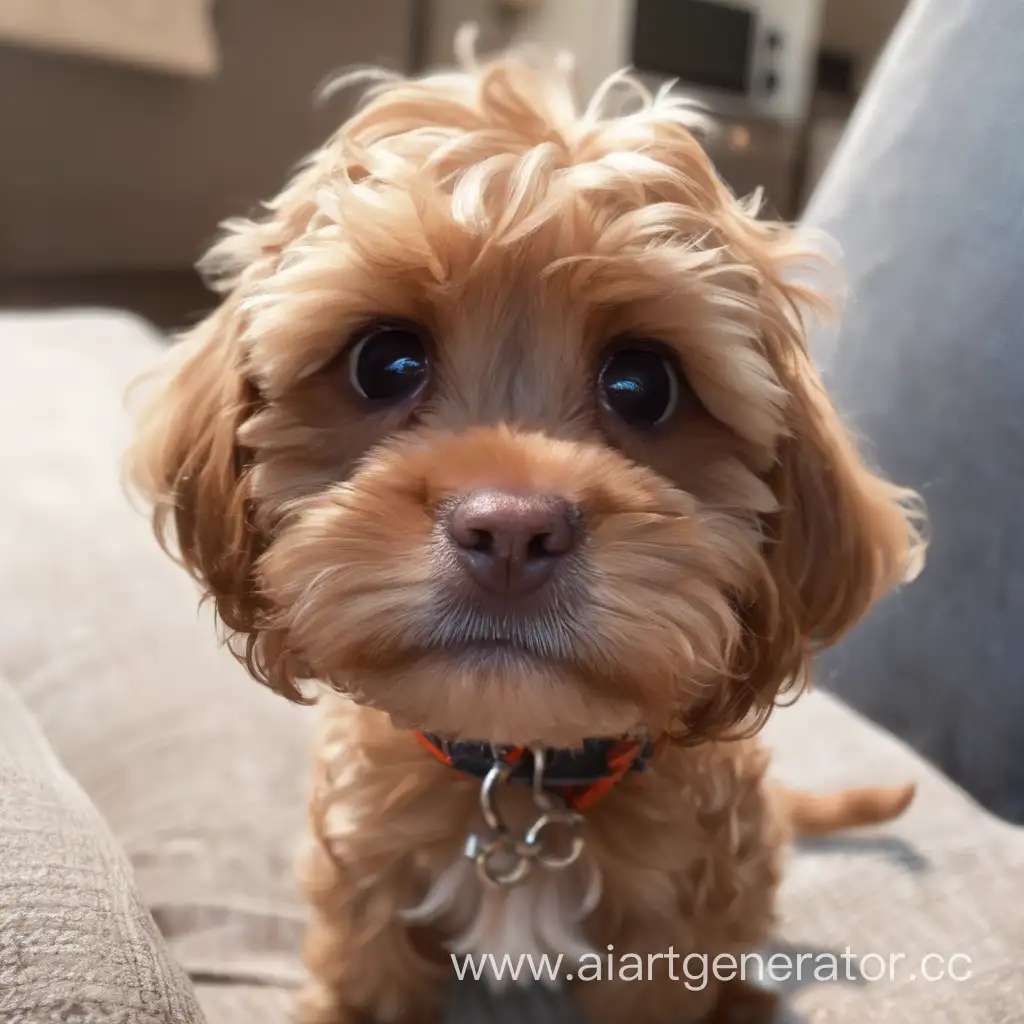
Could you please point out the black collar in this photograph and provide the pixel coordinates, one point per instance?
(582, 775)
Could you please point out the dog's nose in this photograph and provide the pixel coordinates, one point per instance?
(509, 544)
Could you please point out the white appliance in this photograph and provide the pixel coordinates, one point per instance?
(743, 58)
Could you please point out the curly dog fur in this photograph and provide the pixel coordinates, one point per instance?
(521, 240)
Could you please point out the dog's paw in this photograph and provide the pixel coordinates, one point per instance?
(740, 1002)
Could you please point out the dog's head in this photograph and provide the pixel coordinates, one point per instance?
(506, 425)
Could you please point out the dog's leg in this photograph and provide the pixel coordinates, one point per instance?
(366, 966)
(717, 849)
(740, 1002)
(364, 984)
(658, 1000)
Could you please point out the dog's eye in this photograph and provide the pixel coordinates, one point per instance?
(388, 362)
(640, 386)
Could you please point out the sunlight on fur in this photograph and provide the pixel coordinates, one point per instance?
(540, 277)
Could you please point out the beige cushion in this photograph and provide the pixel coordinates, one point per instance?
(245, 1004)
(198, 770)
(76, 942)
(201, 773)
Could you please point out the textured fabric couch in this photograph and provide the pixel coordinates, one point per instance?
(151, 796)
(169, 787)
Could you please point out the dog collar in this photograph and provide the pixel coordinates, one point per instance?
(581, 777)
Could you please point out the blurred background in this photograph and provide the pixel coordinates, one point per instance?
(130, 128)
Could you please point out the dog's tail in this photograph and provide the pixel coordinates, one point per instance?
(821, 814)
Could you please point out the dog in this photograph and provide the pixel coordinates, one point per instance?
(504, 442)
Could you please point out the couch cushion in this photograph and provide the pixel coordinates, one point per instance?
(245, 1004)
(941, 881)
(76, 943)
(199, 771)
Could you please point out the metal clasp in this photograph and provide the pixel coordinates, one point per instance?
(501, 860)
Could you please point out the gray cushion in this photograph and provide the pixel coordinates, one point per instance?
(926, 198)
(77, 946)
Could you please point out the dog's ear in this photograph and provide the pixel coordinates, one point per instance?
(842, 536)
(186, 463)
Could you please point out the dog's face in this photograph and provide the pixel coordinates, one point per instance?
(506, 426)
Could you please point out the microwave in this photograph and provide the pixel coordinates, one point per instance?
(741, 58)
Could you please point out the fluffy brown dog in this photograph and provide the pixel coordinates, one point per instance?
(506, 431)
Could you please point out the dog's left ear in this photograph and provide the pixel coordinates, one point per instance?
(845, 535)
(842, 537)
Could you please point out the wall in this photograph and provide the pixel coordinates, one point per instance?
(107, 168)
(596, 31)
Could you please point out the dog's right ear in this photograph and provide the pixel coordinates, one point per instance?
(185, 462)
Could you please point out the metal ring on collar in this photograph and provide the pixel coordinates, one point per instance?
(490, 875)
(571, 820)
(499, 773)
